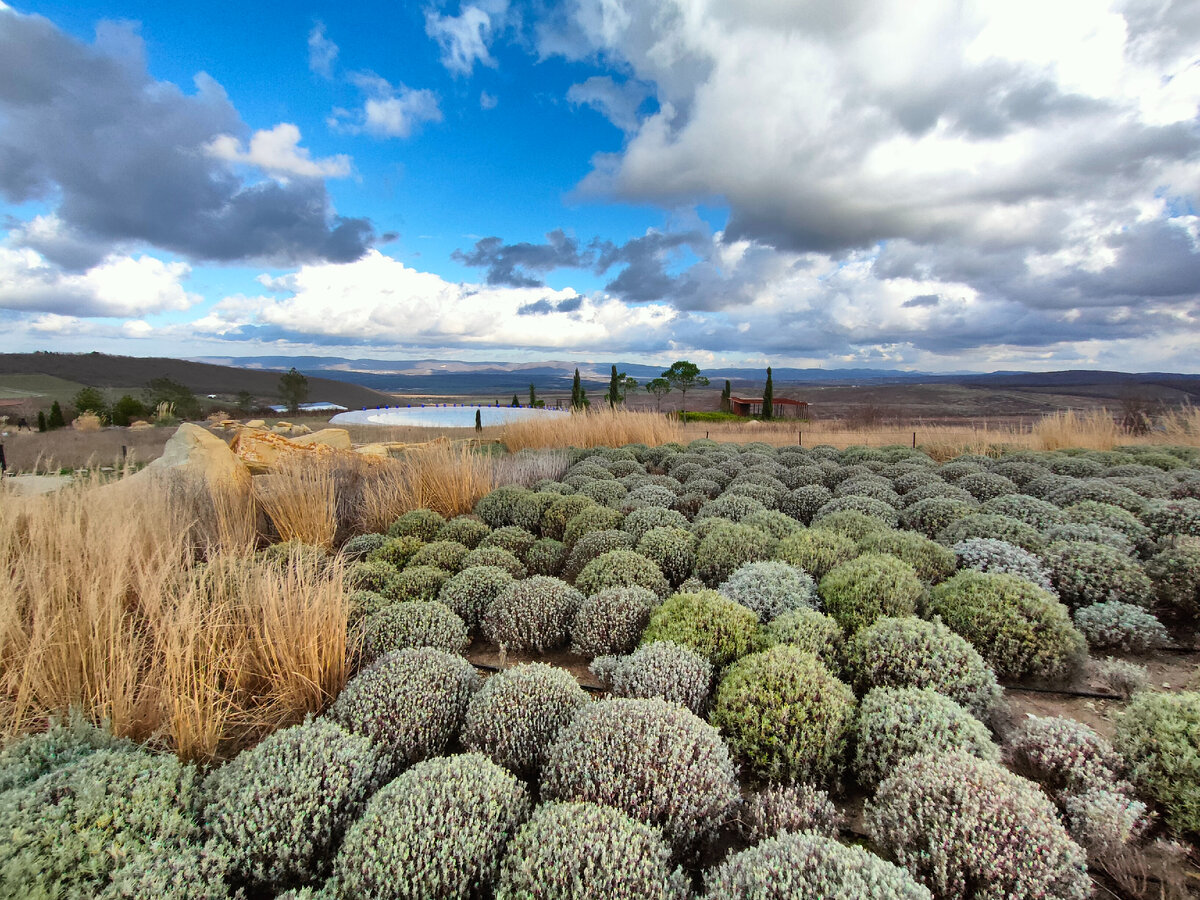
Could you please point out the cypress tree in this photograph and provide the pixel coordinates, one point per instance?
(726, 395)
(614, 389)
(516, 402)
(532, 397)
(577, 392)
(768, 410)
(41, 420)
(56, 416)
(478, 420)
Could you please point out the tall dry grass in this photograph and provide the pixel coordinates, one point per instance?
(300, 498)
(448, 478)
(608, 428)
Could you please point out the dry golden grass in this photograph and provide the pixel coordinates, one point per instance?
(299, 496)
(608, 428)
(448, 478)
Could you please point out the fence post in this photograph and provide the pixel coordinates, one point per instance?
(3, 464)
(124, 453)
(801, 441)
(914, 440)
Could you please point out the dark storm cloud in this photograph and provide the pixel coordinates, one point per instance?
(922, 300)
(645, 259)
(511, 264)
(124, 159)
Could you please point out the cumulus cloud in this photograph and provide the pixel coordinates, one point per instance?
(322, 52)
(512, 264)
(278, 153)
(619, 103)
(388, 110)
(464, 39)
(121, 158)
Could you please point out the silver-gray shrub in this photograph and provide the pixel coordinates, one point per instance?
(733, 507)
(184, 872)
(803, 502)
(411, 703)
(809, 630)
(895, 723)
(283, 806)
(517, 714)
(438, 830)
(771, 588)
(1084, 573)
(465, 530)
(969, 828)
(1099, 534)
(673, 549)
(419, 583)
(651, 759)
(546, 556)
(1103, 821)
(592, 545)
(650, 496)
(495, 556)
(516, 541)
(788, 807)
(664, 669)
(622, 568)
(612, 620)
(931, 515)
(994, 555)
(471, 592)
(775, 523)
(26, 759)
(1113, 625)
(358, 547)
(420, 623)
(984, 486)
(510, 505)
(420, 523)
(1065, 756)
(584, 851)
(809, 865)
(1041, 514)
(534, 614)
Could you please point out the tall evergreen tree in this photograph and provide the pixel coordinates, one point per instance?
(726, 403)
(479, 420)
(532, 396)
(516, 400)
(56, 416)
(768, 410)
(614, 388)
(578, 398)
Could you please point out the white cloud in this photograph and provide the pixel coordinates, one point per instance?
(322, 52)
(488, 101)
(617, 102)
(278, 153)
(388, 110)
(464, 38)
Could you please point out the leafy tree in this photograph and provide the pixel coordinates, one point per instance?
(768, 411)
(126, 410)
(166, 390)
(56, 419)
(245, 401)
(90, 399)
(41, 420)
(726, 395)
(684, 376)
(659, 388)
(627, 385)
(614, 387)
(293, 388)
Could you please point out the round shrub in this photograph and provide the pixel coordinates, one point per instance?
(808, 630)
(584, 851)
(593, 518)
(638, 522)
(510, 505)
(727, 547)
(423, 524)
(546, 556)
(402, 626)
(372, 575)
(445, 555)
(471, 592)
(651, 759)
(516, 541)
(934, 515)
(1039, 514)
(984, 486)
(733, 507)
(938, 490)
(1158, 735)
(185, 872)
(1074, 466)
(438, 830)
(1120, 626)
(359, 547)
(397, 550)
(1103, 821)
(771, 588)
(365, 603)
(673, 550)
(910, 479)
(764, 494)
(803, 502)
(611, 621)
(895, 723)
(872, 486)
(648, 496)
(809, 865)
(876, 513)
(931, 561)
(1020, 629)
(622, 568)
(911, 652)
(816, 550)
(1168, 517)
(517, 714)
(410, 703)
(26, 759)
(858, 592)
(1063, 755)
(968, 827)
(495, 557)
(1106, 515)
(788, 807)
(1020, 471)
(465, 530)
(785, 717)
(960, 467)
(592, 545)
(1101, 490)
(560, 512)
(419, 583)
(283, 806)
(775, 523)
(607, 493)
(1174, 574)
(667, 670)
(1097, 534)
(716, 627)
(984, 525)
(1084, 573)
(991, 555)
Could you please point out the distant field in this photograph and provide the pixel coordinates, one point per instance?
(35, 387)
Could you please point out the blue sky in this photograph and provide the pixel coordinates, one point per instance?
(963, 186)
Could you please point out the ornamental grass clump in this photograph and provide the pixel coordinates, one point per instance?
(517, 714)
(809, 865)
(438, 830)
(969, 828)
(808, 630)
(895, 723)
(402, 626)
(672, 549)
(1021, 630)
(423, 524)
(931, 561)
(727, 547)
(1121, 626)
(585, 851)
(1064, 756)
(787, 807)
(283, 806)
(910, 652)
(611, 621)
(410, 703)
(497, 557)
(471, 592)
(1159, 737)
(534, 614)
(651, 759)
(992, 555)
(858, 592)
(1084, 573)
(786, 718)
(662, 669)
(816, 550)
(714, 626)
(771, 588)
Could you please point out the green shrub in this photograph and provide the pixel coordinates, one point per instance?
(1039, 514)
(584, 851)
(439, 830)
(714, 626)
(1174, 574)
(495, 557)
(283, 806)
(423, 524)
(858, 592)
(817, 550)
(986, 525)
(465, 530)
(471, 592)
(662, 669)
(984, 486)
(410, 703)
(1100, 490)
(1091, 512)
(592, 545)
(640, 521)
(622, 568)
(1084, 573)
(1120, 626)
(546, 556)
(771, 588)
(933, 515)
(560, 512)
(1020, 629)
(1097, 534)
(895, 723)
(26, 759)
(533, 614)
(419, 583)
(1159, 737)
(910, 652)
(396, 551)
(808, 630)
(373, 575)
(516, 541)
(593, 518)
(648, 496)
(420, 623)
(931, 561)
(1064, 755)
(183, 872)
(875, 511)
(803, 502)
(609, 493)
(445, 555)
(809, 865)
(651, 759)
(673, 550)
(785, 717)
(510, 505)
(361, 546)
(726, 547)
(969, 828)
(787, 807)
(733, 507)
(611, 621)
(1173, 517)
(517, 714)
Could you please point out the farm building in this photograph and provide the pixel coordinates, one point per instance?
(781, 407)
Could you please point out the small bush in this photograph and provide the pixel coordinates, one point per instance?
(517, 714)
(931, 561)
(1174, 574)
(673, 550)
(622, 568)
(496, 557)
(402, 626)
(803, 502)
(817, 551)
(26, 759)
(593, 518)
(985, 525)
(873, 509)
(1039, 514)
(592, 545)
(933, 515)
(1103, 821)
(910, 652)
(607, 493)
(546, 556)
(788, 807)
(439, 830)
(364, 604)
(361, 546)
(648, 496)
(419, 583)
(534, 614)
(1120, 626)
(516, 541)
(444, 555)
(560, 512)
(1120, 676)
(1173, 517)
(968, 827)
(373, 575)
(471, 592)
(611, 621)
(858, 592)
(771, 588)
(714, 626)
(1097, 534)
(991, 555)
(465, 530)
(1084, 573)
(510, 505)
(985, 486)
(733, 507)
(1063, 755)
(651, 759)
(784, 716)
(1157, 736)
(423, 524)
(1100, 490)
(638, 522)
(808, 630)
(664, 669)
